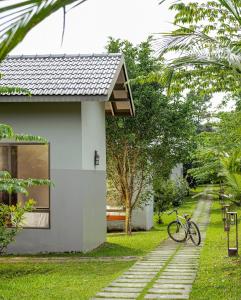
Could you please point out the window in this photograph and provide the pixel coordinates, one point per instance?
(28, 161)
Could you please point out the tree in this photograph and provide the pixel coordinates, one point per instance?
(156, 139)
(164, 191)
(207, 47)
(213, 145)
(17, 19)
(12, 216)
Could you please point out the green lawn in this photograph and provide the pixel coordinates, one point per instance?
(219, 277)
(80, 280)
(140, 243)
(43, 281)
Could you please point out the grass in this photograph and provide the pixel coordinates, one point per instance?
(80, 280)
(140, 243)
(219, 276)
(57, 281)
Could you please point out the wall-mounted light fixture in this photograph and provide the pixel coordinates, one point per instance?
(96, 158)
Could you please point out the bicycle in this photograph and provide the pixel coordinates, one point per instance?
(182, 231)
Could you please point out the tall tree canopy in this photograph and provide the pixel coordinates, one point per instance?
(207, 46)
(222, 140)
(159, 136)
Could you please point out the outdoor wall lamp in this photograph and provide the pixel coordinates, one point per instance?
(232, 220)
(225, 209)
(96, 158)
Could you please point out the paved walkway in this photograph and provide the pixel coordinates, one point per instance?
(165, 273)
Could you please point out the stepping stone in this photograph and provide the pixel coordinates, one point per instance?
(171, 276)
(194, 269)
(143, 267)
(136, 276)
(128, 284)
(158, 296)
(122, 289)
(111, 298)
(174, 280)
(140, 273)
(134, 280)
(118, 295)
(145, 270)
(168, 291)
(173, 286)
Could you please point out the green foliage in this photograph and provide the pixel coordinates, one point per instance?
(159, 136)
(7, 132)
(219, 275)
(223, 137)
(18, 18)
(208, 38)
(11, 218)
(163, 196)
(14, 185)
(231, 171)
(168, 193)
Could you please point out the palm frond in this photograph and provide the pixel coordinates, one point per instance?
(17, 19)
(233, 7)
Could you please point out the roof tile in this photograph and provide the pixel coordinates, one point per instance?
(83, 75)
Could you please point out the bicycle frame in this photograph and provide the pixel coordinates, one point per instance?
(185, 224)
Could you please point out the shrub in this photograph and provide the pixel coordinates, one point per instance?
(11, 219)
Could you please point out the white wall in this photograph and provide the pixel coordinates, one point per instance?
(177, 172)
(77, 200)
(93, 135)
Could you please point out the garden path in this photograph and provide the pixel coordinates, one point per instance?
(166, 272)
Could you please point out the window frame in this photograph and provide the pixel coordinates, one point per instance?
(36, 210)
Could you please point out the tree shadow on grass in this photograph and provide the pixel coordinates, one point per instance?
(9, 271)
(113, 249)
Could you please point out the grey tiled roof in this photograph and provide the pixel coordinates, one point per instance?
(84, 75)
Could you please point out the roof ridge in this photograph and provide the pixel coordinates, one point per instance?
(62, 55)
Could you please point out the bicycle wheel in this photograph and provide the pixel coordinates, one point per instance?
(176, 231)
(194, 233)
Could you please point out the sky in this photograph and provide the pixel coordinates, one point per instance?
(89, 25)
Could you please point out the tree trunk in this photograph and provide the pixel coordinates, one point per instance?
(128, 219)
(159, 218)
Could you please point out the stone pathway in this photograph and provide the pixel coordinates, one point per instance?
(61, 259)
(165, 273)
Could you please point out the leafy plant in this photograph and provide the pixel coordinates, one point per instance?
(156, 139)
(164, 191)
(17, 19)
(168, 193)
(207, 46)
(11, 218)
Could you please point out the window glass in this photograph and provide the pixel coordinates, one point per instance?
(28, 161)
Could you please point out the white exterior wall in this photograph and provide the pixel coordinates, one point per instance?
(177, 172)
(142, 219)
(93, 135)
(77, 200)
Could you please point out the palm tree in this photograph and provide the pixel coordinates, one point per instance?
(199, 51)
(17, 19)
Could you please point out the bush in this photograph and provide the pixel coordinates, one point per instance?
(180, 192)
(11, 219)
(168, 193)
